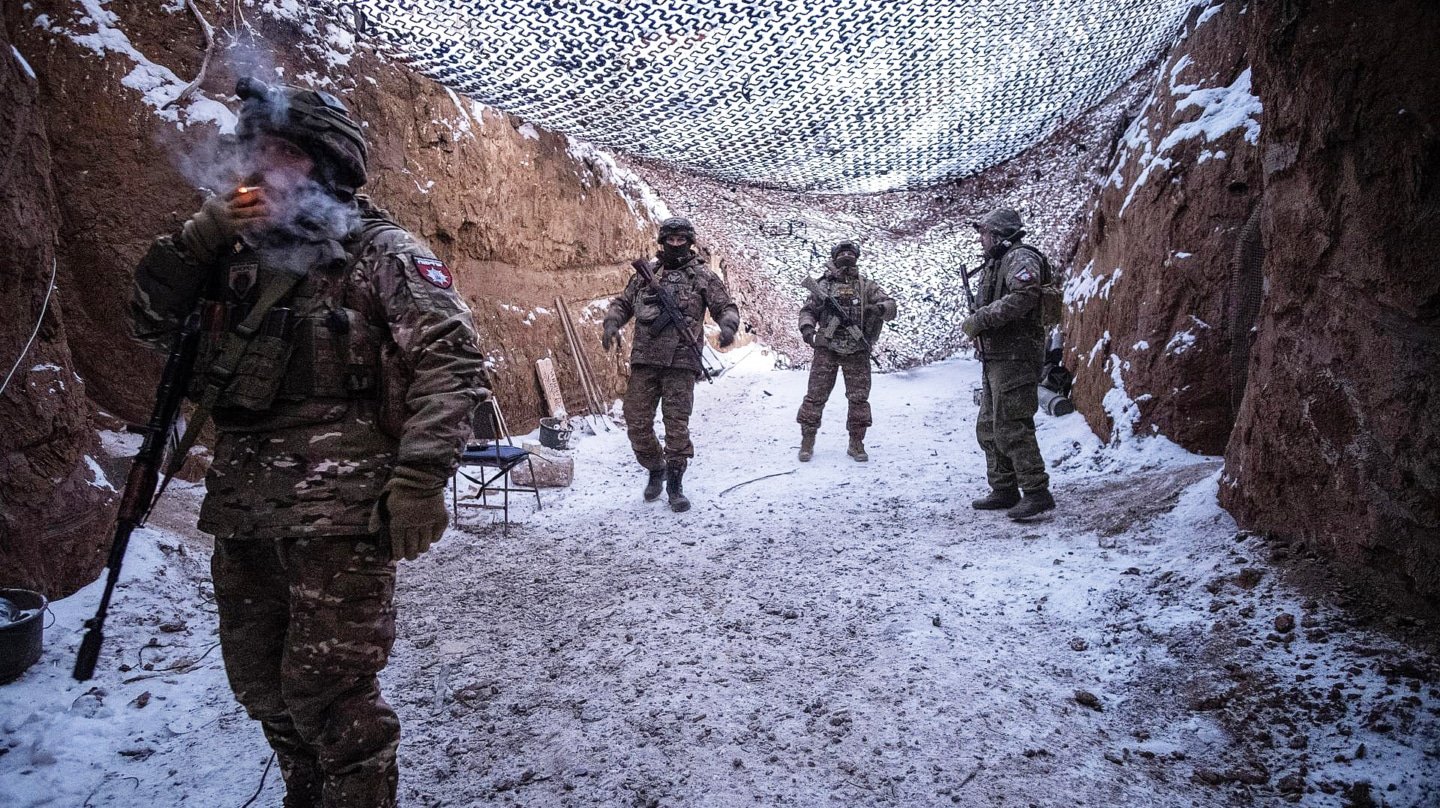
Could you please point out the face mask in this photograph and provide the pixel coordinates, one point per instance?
(845, 261)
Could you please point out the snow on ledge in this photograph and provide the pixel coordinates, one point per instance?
(157, 85)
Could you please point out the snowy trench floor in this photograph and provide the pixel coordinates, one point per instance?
(845, 635)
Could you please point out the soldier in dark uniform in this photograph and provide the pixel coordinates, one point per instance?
(840, 349)
(1009, 338)
(663, 368)
(340, 368)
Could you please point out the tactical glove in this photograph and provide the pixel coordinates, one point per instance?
(206, 234)
(412, 511)
(971, 327)
(612, 335)
(728, 327)
(807, 333)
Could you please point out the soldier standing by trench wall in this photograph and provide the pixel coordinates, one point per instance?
(839, 349)
(341, 370)
(664, 366)
(1010, 340)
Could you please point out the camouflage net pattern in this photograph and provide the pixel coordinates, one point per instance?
(838, 96)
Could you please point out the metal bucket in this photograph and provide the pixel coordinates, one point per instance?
(554, 433)
(1055, 404)
(21, 641)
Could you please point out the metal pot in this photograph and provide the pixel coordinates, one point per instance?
(21, 640)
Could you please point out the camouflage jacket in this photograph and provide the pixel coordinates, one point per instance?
(855, 293)
(1009, 306)
(369, 362)
(695, 289)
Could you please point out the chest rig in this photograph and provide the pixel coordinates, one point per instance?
(680, 283)
(850, 297)
(280, 327)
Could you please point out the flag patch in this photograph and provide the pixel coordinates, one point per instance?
(1024, 276)
(434, 271)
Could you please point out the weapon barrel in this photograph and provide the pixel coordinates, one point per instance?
(140, 485)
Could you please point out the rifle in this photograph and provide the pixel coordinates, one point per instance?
(969, 295)
(970, 301)
(670, 314)
(141, 483)
(834, 305)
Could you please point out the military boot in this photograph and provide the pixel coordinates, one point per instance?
(1034, 504)
(997, 500)
(654, 486)
(807, 444)
(674, 481)
(857, 446)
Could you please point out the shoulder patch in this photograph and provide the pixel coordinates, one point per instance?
(434, 272)
(1025, 276)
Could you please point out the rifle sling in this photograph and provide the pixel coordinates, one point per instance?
(236, 342)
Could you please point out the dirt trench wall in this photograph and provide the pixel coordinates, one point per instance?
(520, 214)
(55, 502)
(1337, 442)
(1147, 328)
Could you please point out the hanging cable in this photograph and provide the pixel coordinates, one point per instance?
(43, 308)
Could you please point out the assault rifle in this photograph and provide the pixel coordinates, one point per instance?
(670, 314)
(140, 485)
(834, 305)
(970, 301)
(969, 295)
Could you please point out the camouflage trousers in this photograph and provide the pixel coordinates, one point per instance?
(827, 366)
(1006, 427)
(673, 391)
(305, 626)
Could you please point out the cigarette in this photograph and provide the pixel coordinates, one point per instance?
(247, 189)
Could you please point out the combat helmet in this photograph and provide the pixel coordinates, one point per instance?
(676, 225)
(844, 246)
(314, 120)
(1003, 222)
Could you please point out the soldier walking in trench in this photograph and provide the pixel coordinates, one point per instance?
(664, 366)
(840, 347)
(340, 368)
(1010, 340)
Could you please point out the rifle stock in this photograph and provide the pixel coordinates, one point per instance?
(140, 485)
(670, 314)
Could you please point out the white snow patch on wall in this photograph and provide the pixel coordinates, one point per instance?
(97, 475)
(1208, 13)
(528, 131)
(644, 203)
(1085, 284)
(157, 84)
(1222, 110)
(24, 65)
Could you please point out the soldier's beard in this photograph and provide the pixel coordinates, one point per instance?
(845, 263)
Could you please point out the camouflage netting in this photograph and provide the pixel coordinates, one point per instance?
(830, 95)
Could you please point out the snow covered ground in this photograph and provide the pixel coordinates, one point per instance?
(846, 634)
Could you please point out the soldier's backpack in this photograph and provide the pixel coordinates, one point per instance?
(1052, 294)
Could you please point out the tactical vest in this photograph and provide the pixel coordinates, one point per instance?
(310, 353)
(1022, 340)
(850, 294)
(680, 283)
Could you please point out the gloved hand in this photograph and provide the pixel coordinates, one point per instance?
(729, 325)
(412, 511)
(807, 333)
(220, 219)
(612, 335)
(971, 327)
